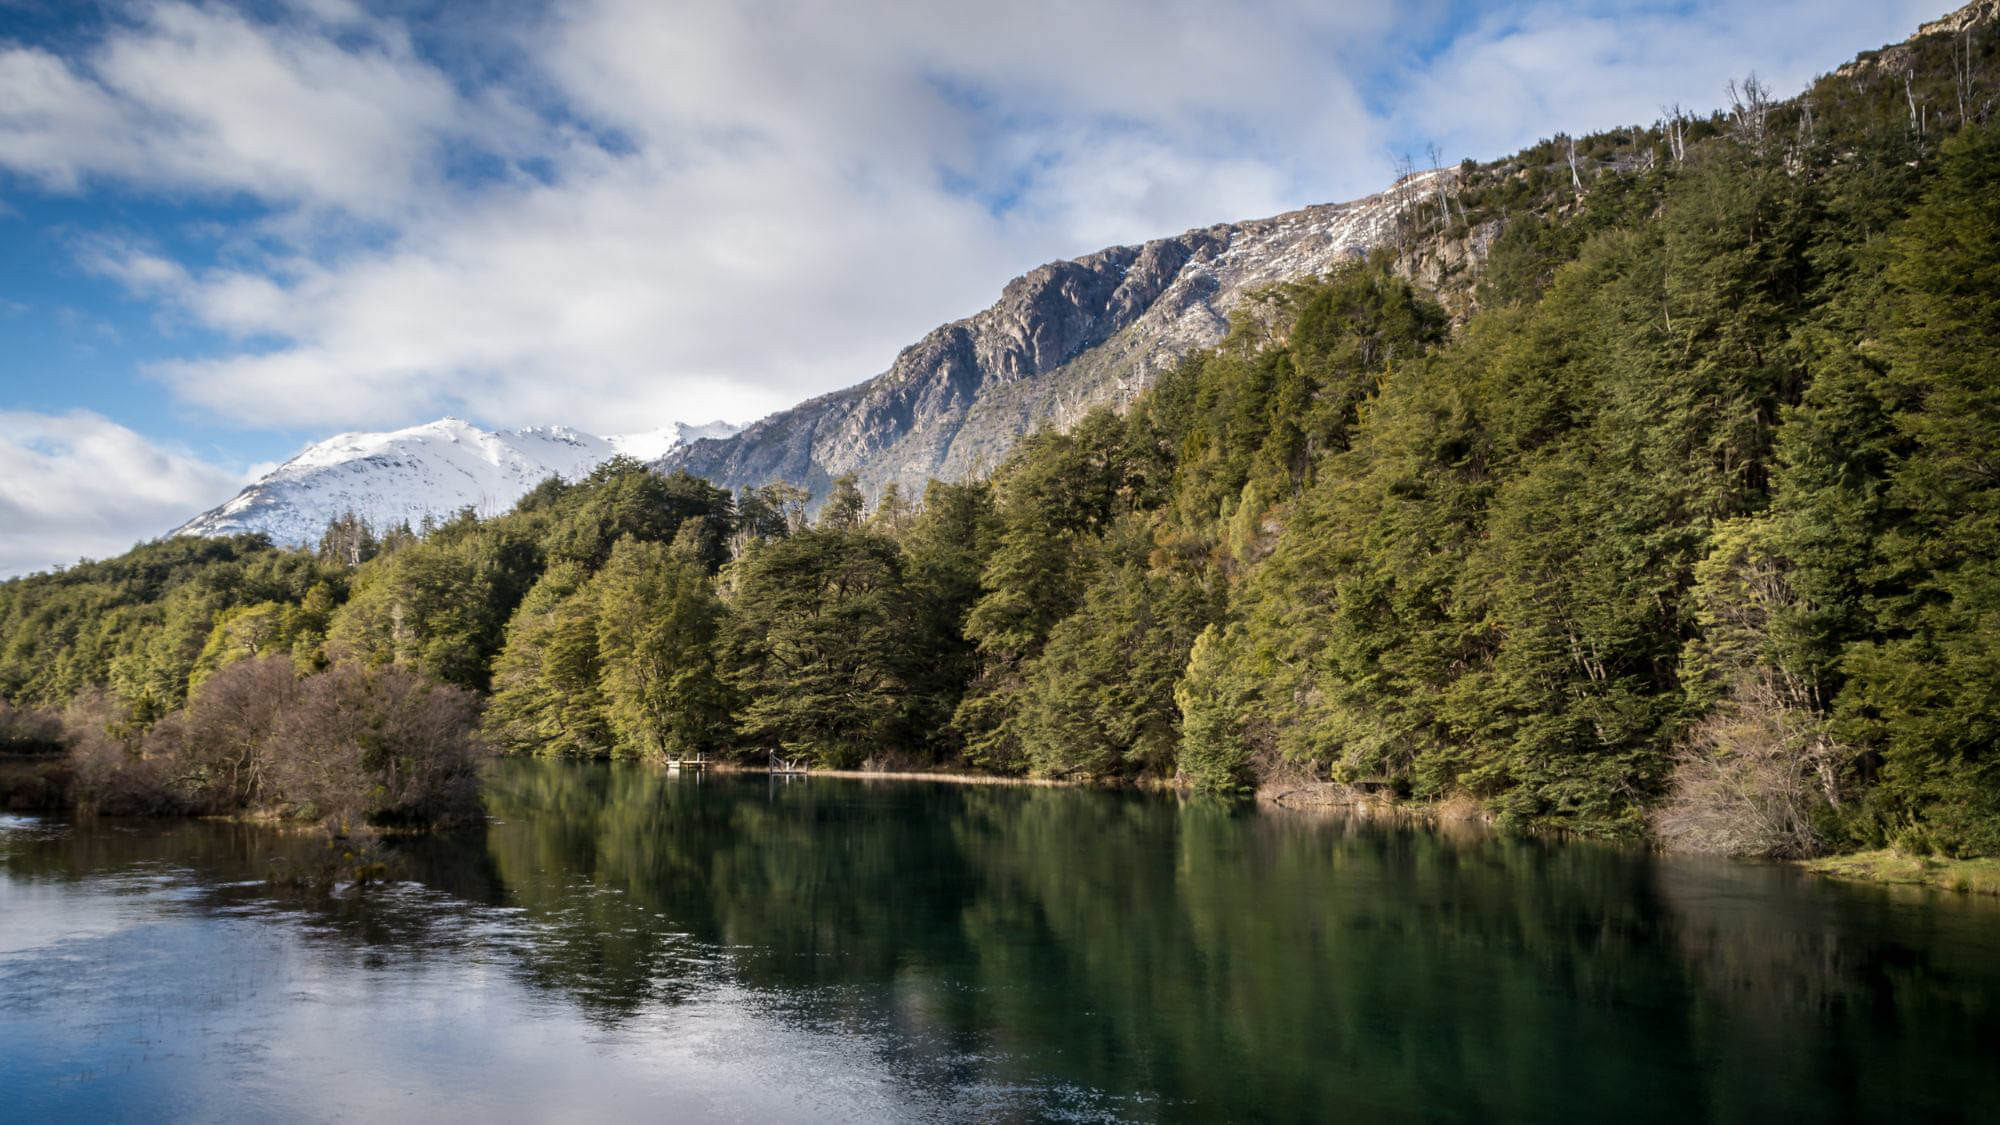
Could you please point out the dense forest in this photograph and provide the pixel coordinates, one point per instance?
(1677, 512)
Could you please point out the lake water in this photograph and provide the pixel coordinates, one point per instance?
(621, 942)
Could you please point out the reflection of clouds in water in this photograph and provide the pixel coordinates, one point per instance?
(114, 994)
(44, 919)
(38, 919)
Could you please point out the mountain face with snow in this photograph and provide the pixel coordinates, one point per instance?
(1063, 339)
(430, 470)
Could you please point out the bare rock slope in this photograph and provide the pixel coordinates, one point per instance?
(1062, 339)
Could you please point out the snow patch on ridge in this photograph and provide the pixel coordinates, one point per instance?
(433, 470)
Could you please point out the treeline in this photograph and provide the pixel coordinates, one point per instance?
(1692, 527)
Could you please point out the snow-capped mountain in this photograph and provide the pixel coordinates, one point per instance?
(429, 470)
(655, 444)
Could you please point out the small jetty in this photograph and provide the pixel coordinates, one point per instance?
(788, 765)
(688, 762)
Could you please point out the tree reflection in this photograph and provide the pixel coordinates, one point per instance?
(1214, 957)
(1180, 958)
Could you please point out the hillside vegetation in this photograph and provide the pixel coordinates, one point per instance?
(1684, 519)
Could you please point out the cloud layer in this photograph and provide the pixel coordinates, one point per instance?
(625, 210)
(79, 485)
(620, 213)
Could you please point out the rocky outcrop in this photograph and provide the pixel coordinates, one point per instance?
(1061, 340)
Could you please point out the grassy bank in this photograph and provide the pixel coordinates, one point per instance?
(1965, 876)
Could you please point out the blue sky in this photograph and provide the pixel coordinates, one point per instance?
(230, 229)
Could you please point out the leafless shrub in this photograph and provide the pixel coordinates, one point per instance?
(1742, 785)
(28, 731)
(352, 746)
(217, 753)
(378, 746)
(112, 774)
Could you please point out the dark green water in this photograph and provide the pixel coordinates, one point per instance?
(625, 943)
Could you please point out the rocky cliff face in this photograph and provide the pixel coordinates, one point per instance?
(1061, 340)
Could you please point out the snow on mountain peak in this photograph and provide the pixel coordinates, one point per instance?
(433, 469)
(651, 445)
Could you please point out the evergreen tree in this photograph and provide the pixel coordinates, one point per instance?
(1098, 699)
(1926, 695)
(348, 540)
(818, 647)
(547, 697)
(657, 624)
(845, 506)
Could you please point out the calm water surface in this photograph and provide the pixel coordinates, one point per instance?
(622, 942)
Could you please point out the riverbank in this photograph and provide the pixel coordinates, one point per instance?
(1293, 796)
(1963, 876)
(1332, 796)
(950, 776)
(954, 778)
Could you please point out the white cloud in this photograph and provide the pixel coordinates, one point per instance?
(718, 208)
(795, 193)
(1530, 71)
(199, 98)
(79, 485)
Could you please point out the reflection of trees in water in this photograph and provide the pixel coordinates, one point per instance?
(1889, 987)
(1303, 965)
(1212, 956)
(987, 938)
(645, 877)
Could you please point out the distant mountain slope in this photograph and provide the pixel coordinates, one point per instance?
(429, 470)
(1072, 335)
(1062, 339)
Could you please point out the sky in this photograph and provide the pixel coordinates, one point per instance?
(230, 229)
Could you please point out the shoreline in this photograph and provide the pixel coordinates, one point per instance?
(1884, 867)
(38, 784)
(921, 775)
(955, 778)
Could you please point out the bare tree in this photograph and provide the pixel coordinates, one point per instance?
(1741, 784)
(1963, 73)
(1749, 110)
(1673, 122)
(1575, 179)
(218, 756)
(1406, 170)
(1438, 183)
(360, 745)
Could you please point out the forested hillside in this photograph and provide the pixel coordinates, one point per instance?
(1687, 522)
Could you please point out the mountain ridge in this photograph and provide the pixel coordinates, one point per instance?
(952, 404)
(1063, 338)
